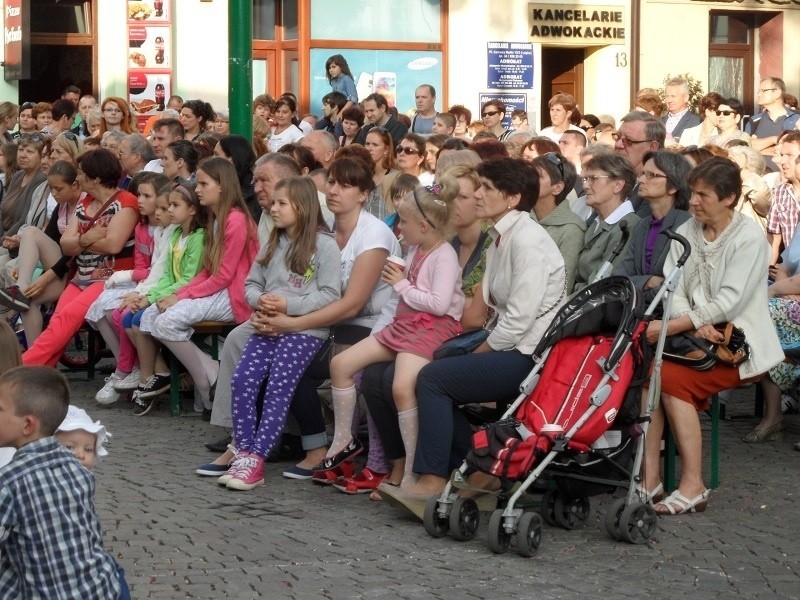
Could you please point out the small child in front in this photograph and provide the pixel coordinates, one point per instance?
(51, 545)
(82, 436)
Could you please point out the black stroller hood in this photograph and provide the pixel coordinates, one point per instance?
(611, 306)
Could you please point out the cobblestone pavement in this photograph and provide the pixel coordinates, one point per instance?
(181, 536)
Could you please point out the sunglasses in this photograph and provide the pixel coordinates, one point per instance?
(626, 141)
(32, 137)
(406, 150)
(726, 113)
(586, 127)
(70, 136)
(490, 113)
(555, 159)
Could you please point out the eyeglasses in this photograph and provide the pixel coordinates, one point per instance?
(650, 175)
(726, 113)
(557, 161)
(406, 150)
(490, 113)
(765, 90)
(593, 178)
(626, 141)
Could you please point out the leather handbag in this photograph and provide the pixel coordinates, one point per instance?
(700, 354)
(463, 343)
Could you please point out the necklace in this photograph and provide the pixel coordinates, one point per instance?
(416, 263)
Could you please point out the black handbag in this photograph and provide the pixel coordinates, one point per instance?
(463, 343)
(698, 353)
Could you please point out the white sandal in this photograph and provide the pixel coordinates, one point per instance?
(653, 496)
(678, 504)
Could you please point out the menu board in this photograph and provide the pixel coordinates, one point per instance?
(150, 60)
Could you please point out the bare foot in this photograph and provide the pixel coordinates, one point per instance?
(224, 458)
(313, 458)
(426, 485)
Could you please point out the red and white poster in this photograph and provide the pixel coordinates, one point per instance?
(16, 30)
(150, 62)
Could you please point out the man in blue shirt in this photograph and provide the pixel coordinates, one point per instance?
(774, 118)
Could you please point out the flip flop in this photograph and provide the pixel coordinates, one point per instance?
(678, 504)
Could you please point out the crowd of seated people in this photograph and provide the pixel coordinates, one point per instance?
(346, 262)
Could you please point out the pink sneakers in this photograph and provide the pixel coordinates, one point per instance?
(249, 474)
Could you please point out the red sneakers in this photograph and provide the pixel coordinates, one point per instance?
(363, 483)
(249, 474)
(330, 476)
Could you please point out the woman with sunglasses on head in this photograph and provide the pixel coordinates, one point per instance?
(20, 195)
(663, 184)
(411, 158)
(607, 181)
(729, 120)
(552, 210)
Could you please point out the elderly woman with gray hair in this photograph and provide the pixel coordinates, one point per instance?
(756, 195)
(607, 181)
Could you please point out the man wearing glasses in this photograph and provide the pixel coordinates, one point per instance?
(639, 133)
(774, 118)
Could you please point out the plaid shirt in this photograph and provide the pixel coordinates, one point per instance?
(784, 213)
(51, 545)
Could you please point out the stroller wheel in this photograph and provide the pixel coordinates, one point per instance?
(435, 525)
(638, 523)
(571, 513)
(612, 518)
(548, 507)
(499, 539)
(529, 534)
(464, 519)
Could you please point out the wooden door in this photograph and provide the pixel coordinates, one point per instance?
(562, 72)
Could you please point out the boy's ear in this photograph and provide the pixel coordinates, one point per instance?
(30, 425)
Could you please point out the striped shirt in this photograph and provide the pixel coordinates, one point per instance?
(784, 213)
(51, 545)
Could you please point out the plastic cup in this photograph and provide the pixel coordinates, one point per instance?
(552, 429)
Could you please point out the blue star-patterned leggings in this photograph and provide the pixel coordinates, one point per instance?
(281, 360)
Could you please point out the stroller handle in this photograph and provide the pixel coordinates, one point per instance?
(687, 249)
(626, 233)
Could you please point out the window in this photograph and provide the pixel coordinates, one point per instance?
(731, 59)
(368, 20)
(65, 16)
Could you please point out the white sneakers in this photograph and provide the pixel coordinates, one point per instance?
(114, 384)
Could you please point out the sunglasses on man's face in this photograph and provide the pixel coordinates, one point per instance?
(490, 113)
(726, 113)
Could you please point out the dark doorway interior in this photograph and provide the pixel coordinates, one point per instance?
(55, 67)
(562, 71)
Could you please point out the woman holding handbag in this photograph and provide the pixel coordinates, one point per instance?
(723, 281)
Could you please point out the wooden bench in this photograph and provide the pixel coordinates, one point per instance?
(202, 330)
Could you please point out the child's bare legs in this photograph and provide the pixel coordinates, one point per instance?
(403, 390)
(344, 366)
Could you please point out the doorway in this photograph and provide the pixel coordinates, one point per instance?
(562, 71)
(53, 68)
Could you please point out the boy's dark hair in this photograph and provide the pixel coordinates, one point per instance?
(335, 99)
(39, 391)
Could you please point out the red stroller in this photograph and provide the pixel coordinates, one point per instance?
(576, 423)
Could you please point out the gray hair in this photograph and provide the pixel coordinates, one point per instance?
(678, 82)
(286, 165)
(616, 167)
(452, 158)
(654, 130)
(114, 133)
(596, 150)
(327, 138)
(140, 145)
(753, 159)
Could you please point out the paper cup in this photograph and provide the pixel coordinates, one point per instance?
(552, 429)
(397, 261)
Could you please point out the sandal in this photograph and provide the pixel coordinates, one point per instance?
(767, 434)
(651, 497)
(334, 475)
(678, 504)
(366, 481)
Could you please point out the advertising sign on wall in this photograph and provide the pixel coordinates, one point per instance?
(16, 37)
(510, 65)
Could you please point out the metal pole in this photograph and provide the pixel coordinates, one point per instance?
(240, 67)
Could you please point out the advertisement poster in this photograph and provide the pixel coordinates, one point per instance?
(512, 102)
(16, 30)
(394, 74)
(149, 11)
(149, 47)
(150, 61)
(510, 65)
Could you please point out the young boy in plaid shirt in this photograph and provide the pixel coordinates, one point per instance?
(51, 545)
